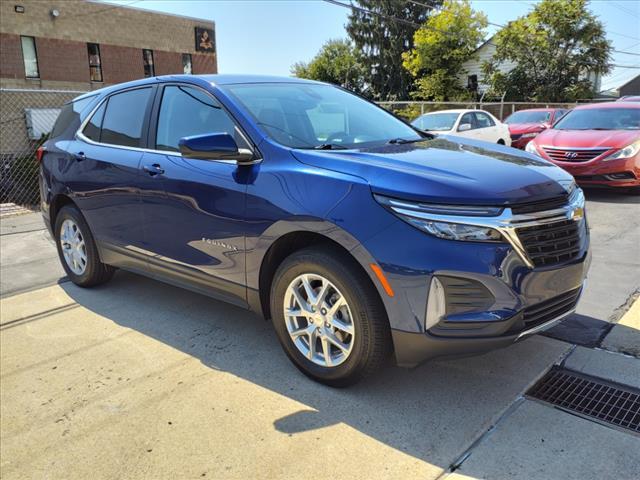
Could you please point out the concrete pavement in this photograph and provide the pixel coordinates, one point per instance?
(137, 379)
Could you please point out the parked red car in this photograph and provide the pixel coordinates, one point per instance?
(598, 144)
(527, 124)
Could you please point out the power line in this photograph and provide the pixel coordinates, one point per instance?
(402, 20)
(623, 9)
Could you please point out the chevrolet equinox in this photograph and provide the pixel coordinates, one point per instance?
(360, 236)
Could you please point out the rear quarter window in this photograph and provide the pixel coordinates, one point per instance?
(68, 120)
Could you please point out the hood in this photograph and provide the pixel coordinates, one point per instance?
(447, 170)
(587, 138)
(520, 128)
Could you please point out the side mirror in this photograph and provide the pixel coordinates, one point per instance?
(463, 127)
(214, 146)
(545, 125)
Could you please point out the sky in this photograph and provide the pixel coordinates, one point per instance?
(269, 36)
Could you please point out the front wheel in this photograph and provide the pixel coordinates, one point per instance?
(328, 317)
(77, 249)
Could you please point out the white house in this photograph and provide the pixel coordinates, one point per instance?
(473, 75)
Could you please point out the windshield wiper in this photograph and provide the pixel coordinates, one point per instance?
(402, 141)
(329, 146)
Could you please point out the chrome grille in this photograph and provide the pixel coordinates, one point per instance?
(574, 154)
(551, 243)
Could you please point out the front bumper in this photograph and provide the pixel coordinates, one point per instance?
(518, 141)
(412, 349)
(497, 291)
(621, 173)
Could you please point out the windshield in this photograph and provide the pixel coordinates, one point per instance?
(436, 121)
(600, 119)
(317, 116)
(528, 117)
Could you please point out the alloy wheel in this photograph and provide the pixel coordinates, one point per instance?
(319, 320)
(74, 250)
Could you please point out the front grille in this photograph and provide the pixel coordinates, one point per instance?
(591, 397)
(551, 243)
(465, 295)
(574, 154)
(540, 205)
(549, 309)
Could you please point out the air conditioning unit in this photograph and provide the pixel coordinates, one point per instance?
(40, 121)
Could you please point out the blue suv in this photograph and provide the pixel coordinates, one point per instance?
(360, 237)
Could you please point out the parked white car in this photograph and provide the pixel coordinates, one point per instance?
(476, 124)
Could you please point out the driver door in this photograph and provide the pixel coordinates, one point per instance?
(194, 209)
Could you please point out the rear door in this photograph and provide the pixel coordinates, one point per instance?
(106, 156)
(194, 210)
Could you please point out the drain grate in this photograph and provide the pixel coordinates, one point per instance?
(590, 397)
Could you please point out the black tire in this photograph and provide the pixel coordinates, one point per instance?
(95, 271)
(372, 339)
(501, 142)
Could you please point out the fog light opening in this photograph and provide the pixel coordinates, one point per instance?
(620, 176)
(436, 304)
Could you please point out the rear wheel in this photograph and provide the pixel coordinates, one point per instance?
(77, 249)
(501, 142)
(328, 317)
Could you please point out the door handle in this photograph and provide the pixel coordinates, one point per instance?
(154, 169)
(80, 156)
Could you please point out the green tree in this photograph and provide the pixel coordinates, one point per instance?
(382, 30)
(553, 48)
(337, 62)
(441, 46)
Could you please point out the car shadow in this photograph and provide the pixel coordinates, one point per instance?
(432, 413)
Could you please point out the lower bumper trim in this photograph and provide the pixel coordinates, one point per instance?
(412, 349)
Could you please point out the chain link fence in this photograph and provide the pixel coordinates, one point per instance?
(26, 119)
(500, 110)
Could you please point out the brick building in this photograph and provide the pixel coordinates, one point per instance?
(82, 45)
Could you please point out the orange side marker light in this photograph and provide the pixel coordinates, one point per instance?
(383, 280)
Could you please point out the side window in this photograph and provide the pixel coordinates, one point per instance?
(186, 111)
(124, 117)
(468, 118)
(483, 120)
(92, 129)
(558, 115)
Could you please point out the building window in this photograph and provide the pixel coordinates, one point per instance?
(186, 63)
(147, 59)
(472, 83)
(30, 57)
(95, 66)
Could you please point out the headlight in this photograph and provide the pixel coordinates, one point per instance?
(529, 135)
(417, 214)
(626, 152)
(531, 148)
(456, 231)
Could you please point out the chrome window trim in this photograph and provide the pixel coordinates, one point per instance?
(506, 222)
(80, 136)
